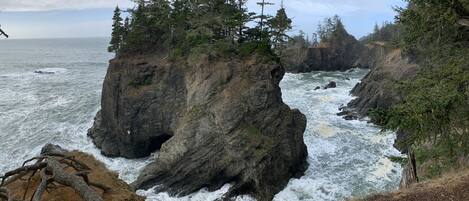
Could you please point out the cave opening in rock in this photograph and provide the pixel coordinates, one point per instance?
(157, 141)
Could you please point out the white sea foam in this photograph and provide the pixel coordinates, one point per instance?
(201, 195)
(383, 168)
(346, 158)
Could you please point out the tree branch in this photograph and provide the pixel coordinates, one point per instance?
(464, 21)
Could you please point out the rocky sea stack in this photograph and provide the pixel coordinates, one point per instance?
(337, 51)
(214, 121)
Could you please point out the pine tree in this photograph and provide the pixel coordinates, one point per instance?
(139, 37)
(125, 32)
(158, 16)
(242, 17)
(263, 34)
(117, 32)
(280, 24)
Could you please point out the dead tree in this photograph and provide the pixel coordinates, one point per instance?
(55, 166)
(3, 33)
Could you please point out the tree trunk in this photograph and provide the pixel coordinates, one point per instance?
(409, 175)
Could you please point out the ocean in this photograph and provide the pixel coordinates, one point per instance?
(347, 158)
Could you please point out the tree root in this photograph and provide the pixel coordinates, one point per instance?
(52, 165)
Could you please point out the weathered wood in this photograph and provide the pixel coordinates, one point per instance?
(409, 175)
(52, 165)
(76, 182)
(42, 186)
(464, 21)
(20, 170)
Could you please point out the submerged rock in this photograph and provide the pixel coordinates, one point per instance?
(348, 114)
(44, 72)
(214, 121)
(331, 85)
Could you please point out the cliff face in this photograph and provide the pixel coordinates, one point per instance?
(378, 88)
(341, 53)
(214, 121)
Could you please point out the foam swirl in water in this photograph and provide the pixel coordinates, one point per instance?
(347, 158)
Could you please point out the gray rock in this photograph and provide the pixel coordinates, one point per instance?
(44, 72)
(214, 122)
(331, 85)
(348, 114)
(378, 88)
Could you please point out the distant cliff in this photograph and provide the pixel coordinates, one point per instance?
(213, 120)
(339, 53)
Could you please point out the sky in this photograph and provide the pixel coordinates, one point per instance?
(92, 18)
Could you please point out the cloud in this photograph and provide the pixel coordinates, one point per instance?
(45, 5)
(341, 7)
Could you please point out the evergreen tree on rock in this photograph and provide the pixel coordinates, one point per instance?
(117, 32)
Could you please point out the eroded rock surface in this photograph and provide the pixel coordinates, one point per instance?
(214, 121)
(378, 88)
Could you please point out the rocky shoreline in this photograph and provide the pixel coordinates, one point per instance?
(214, 121)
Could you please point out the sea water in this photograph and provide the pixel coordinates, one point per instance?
(346, 158)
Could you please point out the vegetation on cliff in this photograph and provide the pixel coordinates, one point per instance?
(435, 108)
(331, 48)
(388, 33)
(329, 30)
(193, 81)
(184, 27)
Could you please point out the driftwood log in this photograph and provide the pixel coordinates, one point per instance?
(464, 21)
(56, 169)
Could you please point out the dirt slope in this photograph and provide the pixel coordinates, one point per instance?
(453, 187)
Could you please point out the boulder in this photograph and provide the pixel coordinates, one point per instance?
(331, 84)
(213, 120)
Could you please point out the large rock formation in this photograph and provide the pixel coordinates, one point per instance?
(378, 88)
(339, 54)
(215, 121)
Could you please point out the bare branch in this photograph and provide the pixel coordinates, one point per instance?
(464, 21)
(42, 186)
(27, 168)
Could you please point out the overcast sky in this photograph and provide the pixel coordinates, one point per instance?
(92, 18)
